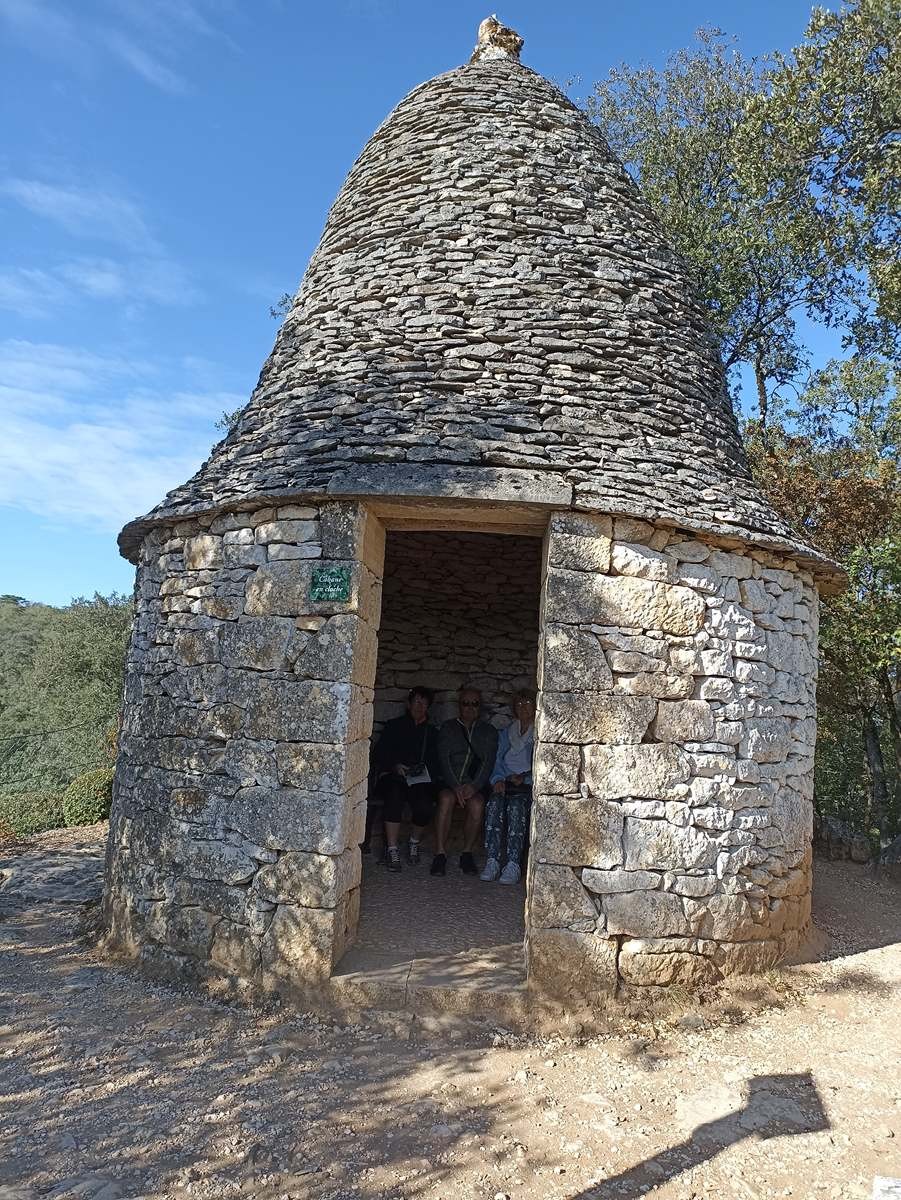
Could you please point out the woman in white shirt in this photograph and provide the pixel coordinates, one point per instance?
(510, 801)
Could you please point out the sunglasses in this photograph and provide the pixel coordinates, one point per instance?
(469, 704)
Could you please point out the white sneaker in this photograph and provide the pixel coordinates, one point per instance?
(511, 873)
(492, 870)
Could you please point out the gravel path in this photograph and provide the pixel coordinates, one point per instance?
(111, 1086)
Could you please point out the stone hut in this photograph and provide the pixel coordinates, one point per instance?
(495, 368)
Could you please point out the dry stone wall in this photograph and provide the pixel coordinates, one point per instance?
(674, 775)
(239, 798)
(458, 608)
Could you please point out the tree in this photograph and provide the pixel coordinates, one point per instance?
(771, 234)
(829, 118)
(834, 472)
(62, 682)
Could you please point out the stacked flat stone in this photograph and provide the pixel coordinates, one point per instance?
(492, 311)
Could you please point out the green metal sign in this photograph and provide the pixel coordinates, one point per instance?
(330, 583)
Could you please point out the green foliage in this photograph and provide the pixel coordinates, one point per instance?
(777, 179)
(25, 813)
(61, 675)
(88, 797)
(829, 117)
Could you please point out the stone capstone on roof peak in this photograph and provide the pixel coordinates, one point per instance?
(496, 40)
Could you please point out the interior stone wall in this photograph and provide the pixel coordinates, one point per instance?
(672, 817)
(458, 608)
(239, 796)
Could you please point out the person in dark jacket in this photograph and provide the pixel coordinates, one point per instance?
(467, 748)
(406, 763)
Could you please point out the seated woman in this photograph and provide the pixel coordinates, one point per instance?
(405, 761)
(507, 811)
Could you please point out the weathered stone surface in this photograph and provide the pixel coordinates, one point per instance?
(659, 962)
(610, 882)
(593, 717)
(576, 832)
(301, 946)
(287, 531)
(313, 880)
(630, 558)
(766, 740)
(282, 589)
(203, 552)
(557, 900)
(344, 648)
(645, 914)
(685, 721)
(289, 819)
(317, 767)
(579, 542)
(574, 596)
(576, 968)
(555, 769)
(647, 771)
(662, 846)
(260, 643)
(659, 684)
(573, 660)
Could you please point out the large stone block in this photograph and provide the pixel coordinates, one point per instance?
(282, 589)
(766, 740)
(287, 531)
(259, 643)
(555, 769)
(655, 845)
(685, 721)
(557, 900)
(645, 772)
(645, 914)
(573, 660)
(304, 710)
(576, 832)
(313, 880)
(575, 597)
(317, 767)
(235, 950)
(665, 685)
(203, 552)
(579, 542)
(659, 962)
(301, 945)
(583, 717)
(612, 882)
(344, 648)
(289, 819)
(578, 969)
(631, 558)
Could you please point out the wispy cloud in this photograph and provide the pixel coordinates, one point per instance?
(146, 65)
(86, 212)
(36, 293)
(97, 439)
(152, 38)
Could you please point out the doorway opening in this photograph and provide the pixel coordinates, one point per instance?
(459, 609)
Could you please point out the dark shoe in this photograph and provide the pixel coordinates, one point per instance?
(393, 858)
(439, 865)
(468, 864)
(413, 854)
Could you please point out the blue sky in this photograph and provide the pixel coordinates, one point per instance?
(165, 173)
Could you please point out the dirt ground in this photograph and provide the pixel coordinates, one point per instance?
(111, 1086)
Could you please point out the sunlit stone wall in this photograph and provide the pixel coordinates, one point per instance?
(672, 818)
(240, 792)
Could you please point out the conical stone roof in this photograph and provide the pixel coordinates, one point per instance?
(492, 313)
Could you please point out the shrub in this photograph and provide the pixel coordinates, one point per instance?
(87, 798)
(25, 813)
